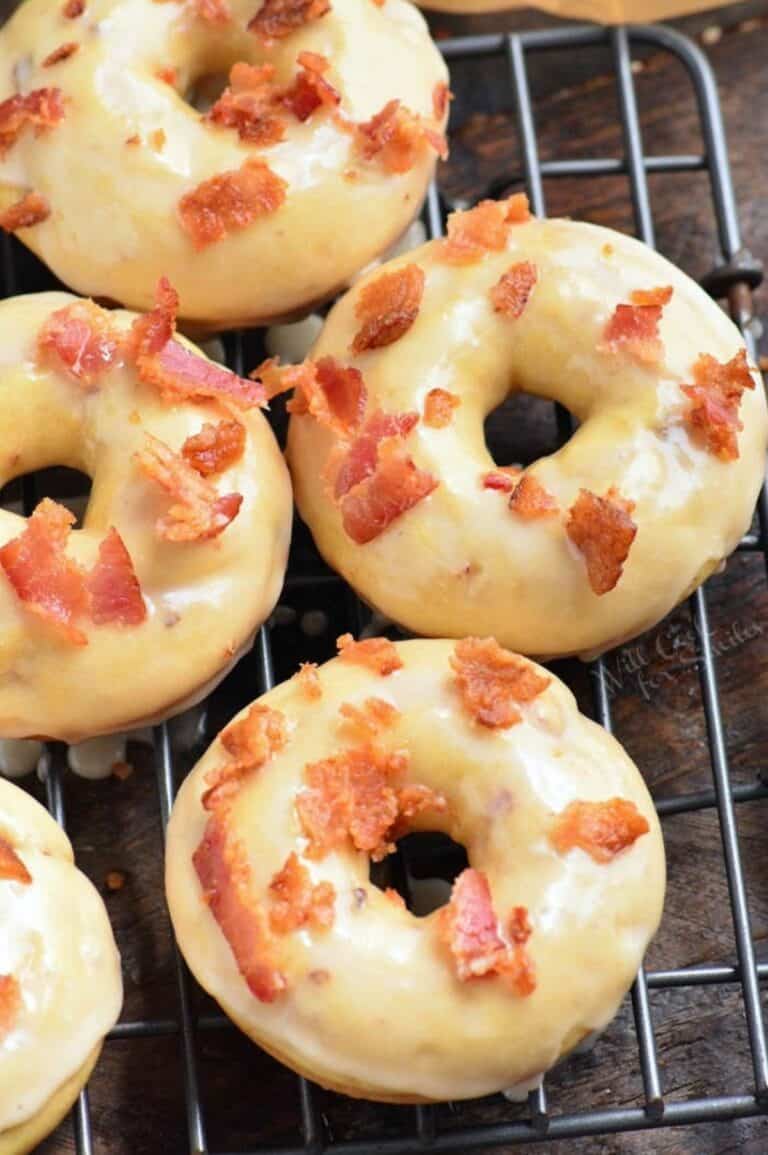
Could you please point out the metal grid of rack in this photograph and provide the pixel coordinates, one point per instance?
(734, 276)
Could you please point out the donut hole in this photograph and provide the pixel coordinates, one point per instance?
(422, 870)
(204, 90)
(69, 487)
(523, 428)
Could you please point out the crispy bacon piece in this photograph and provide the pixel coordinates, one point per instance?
(513, 290)
(603, 531)
(152, 331)
(531, 500)
(296, 902)
(63, 52)
(249, 742)
(197, 513)
(31, 210)
(483, 229)
(310, 90)
(222, 866)
(492, 682)
(40, 110)
(396, 486)
(80, 338)
(43, 577)
(469, 927)
(73, 8)
(438, 408)
(309, 681)
(215, 12)
(230, 202)
(168, 76)
(334, 394)
(12, 869)
(10, 1003)
(713, 413)
(504, 479)
(113, 588)
(441, 98)
(215, 448)
(276, 19)
(362, 455)
(634, 330)
(179, 373)
(601, 829)
(519, 928)
(658, 296)
(378, 654)
(387, 307)
(366, 722)
(415, 799)
(249, 105)
(395, 137)
(389, 892)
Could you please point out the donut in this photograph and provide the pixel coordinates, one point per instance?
(60, 984)
(584, 548)
(272, 836)
(184, 542)
(312, 155)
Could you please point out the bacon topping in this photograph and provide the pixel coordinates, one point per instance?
(378, 654)
(81, 338)
(152, 331)
(113, 587)
(32, 209)
(634, 329)
(197, 513)
(601, 829)
(276, 19)
(250, 742)
(658, 296)
(394, 897)
(296, 902)
(363, 723)
(531, 500)
(309, 681)
(492, 682)
(438, 408)
(441, 97)
(310, 90)
(334, 394)
(505, 478)
(395, 486)
(230, 202)
(483, 229)
(63, 52)
(248, 105)
(713, 414)
(216, 12)
(10, 1003)
(215, 448)
(603, 531)
(41, 109)
(73, 8)
(222, 866)
(469, 927)
(513, 290)
(396, 136)
(361, 456)
(387, 307)
(12, 869)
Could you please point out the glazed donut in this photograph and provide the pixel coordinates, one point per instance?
(184, 541)
(60, 984)
(272, 835)
(314, 159)
(586, 547)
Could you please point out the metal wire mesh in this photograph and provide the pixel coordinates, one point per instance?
(735, 273)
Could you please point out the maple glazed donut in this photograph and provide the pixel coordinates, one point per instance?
(184, 542)
(272, 835)
(60, 983)
(309, 165)
(586, 547)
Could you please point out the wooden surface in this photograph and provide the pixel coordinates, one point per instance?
(250, 1101)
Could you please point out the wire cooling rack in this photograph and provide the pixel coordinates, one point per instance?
(733, 277)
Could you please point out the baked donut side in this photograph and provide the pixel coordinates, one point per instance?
(312, 162)
(599, 540)
(272, 835)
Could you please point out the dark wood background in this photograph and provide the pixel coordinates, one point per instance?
(136, 1094)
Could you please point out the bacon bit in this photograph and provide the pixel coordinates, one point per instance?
(378, 654)
(396, 486)
(42, 576)
(713, 415)
(441, 97)
(396, 136)
(634, 330)
(603, 531)
(63, 52)
(519, 928)
(334, 394)
(31, 210)
(296, 902)
(310, 90)
(179, 373)
(113, 587)
(438, 408)
(122, 770)
(279, 18)
(309, 681)
(644, 297)
(250, 742)
(248, 105)
(152, 331)
(215, 448)
(387, 307)
(81, 339)
(115, 880)
(73, 8)
(492, 681)
(413, 800)
(230, 202)
(362, 455)
(216, 12)
(504, 479)
(198, 513)
(601, 829)
(222, 866)
(394, 897)
(12, 869)
(41, 109)
(512, 291)
(531, 500)
(10, 1003)
(483, 229)
(469, 927)
(363, 723)
(134, 140)
(168, 76)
